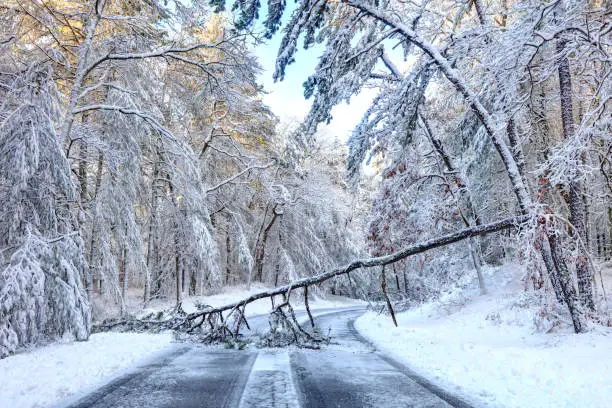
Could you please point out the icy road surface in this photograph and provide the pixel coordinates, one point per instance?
(349, 373)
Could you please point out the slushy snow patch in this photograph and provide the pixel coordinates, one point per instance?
(486, 347)
(45, 376)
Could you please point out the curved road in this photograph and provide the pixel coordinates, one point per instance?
(349, 373)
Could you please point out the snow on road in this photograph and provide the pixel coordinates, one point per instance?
(270, 383)
(45, 376)
(487, 347)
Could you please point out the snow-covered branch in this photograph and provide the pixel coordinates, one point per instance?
(127, 111)
(491, 126)
(165, 52)
(237, 175)
(417, 248)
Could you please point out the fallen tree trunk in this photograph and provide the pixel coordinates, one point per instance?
(220, 327)
(378, 261)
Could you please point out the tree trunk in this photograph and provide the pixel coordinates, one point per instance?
(150, 262)
(476, 260)
(228, 250)
(80, 74)
(260, 249)
(177, 266)
(83, 169)
(93, 239)
(179, 283)
(515, 145)
(576, 195)
(82, 176)
(383, 287)
(472, 216)
(124, 276)
(609, 252)
(566, 285)
(193, 283)
(278, 254)
(397, 282)
(480, 11)
(277, 267)
(551, 269)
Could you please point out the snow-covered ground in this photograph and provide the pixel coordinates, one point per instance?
(488, 349)
(45, 376)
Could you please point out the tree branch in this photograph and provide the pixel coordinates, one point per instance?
(127, 111)
(444, 240)
(170, 52)
(485, 117)
(235, 176)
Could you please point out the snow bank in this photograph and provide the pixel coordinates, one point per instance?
(486, 347)
(45, 376)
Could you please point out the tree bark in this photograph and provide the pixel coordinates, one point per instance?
(260, 249)
(80, 74)
(82, 178)
(124, 287)
(515, 145)
(93, 239)
(383, 287)
(551, 269)
(576, 193)
(179, 283)
(567, 285)
(397, 282)
(312, 323)
(278, 253)
(480, 11)
(228, 249)
(150, 262)
(609, 253)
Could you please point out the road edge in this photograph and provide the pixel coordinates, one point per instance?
(453, 399)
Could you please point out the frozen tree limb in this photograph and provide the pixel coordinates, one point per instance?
(383, 287)
(461, 85)
(417, 248)
(165, 52)
(218, 323)
(240, 173)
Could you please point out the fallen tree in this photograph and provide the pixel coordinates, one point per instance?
(210, 324)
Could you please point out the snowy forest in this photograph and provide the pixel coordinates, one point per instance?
(139, 162)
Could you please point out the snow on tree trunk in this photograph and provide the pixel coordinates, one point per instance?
(576, 203)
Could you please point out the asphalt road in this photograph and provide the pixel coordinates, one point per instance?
(349, 373)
